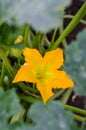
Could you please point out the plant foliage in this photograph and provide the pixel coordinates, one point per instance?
(75, 62)
(41, 14)
(51, 116)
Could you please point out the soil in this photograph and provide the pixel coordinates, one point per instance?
(77, 101)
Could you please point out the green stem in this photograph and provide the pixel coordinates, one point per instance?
(66, 95)
(25, 88)
(33, 92)
(64, 42)
(80, 14)
(78, 118)
(47, 41)
(71, 17)
(39, 41)
(6, 62)
(29, 98)
(58, 94)
(2, 75)
(76, 110)
(27, 29)
(53, 37)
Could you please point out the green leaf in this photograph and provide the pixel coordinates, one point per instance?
(41, 14)
(19, 126)
(9, 104)
(51, 116)
(75, 62)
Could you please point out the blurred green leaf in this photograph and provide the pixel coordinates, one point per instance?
(8, 34)
(14, 126)
(51, 116)
(18, 126)
(9, 104)
(75, 62)
(41, 14)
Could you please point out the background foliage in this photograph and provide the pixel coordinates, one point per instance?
(49, 117)
(75, 63)
(41, 14)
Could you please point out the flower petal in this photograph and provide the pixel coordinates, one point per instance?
(54, 57)
(32, 56)
(25, 74)
(45, 90)
(62, 80)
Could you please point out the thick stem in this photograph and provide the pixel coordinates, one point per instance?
(80, 14)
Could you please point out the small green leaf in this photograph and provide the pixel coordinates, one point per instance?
(51, 116)
(75, 62)
(41, 14)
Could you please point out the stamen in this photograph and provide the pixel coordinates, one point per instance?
(39, 75)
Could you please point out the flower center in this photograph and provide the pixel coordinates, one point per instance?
(39, 76)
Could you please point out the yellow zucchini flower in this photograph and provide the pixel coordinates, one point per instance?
(44, 71)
